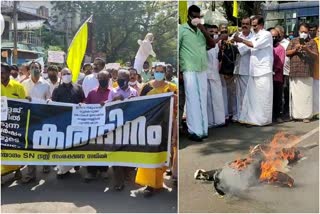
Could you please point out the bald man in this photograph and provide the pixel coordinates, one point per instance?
(279, 54)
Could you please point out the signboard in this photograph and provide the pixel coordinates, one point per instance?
(56, 56)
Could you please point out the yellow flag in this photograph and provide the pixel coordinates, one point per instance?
(77, 50)
(183, 11)
(235, 9)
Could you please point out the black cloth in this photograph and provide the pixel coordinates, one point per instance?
(277, 99)
(68, 93)
(227, 56)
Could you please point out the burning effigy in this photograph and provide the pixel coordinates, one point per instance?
(265, 163)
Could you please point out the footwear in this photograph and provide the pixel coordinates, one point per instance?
(205, 137)
(17, 175)
(148, 192)
(119, 187)
(249, 126)
(306, 120)
(28, 179)
(194, 137)
(168, 173)
(76, 168)
(62, 176)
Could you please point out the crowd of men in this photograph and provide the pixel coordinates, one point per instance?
(255, 77)
(96, 85)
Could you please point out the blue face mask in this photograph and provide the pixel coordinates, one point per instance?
(291, 37)
(158, 76)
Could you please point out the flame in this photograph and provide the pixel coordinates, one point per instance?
(275, 157)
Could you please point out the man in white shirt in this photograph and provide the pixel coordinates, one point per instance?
(91, 82)
(215, 103)
(53, 79)
(258, 98)
(37, 90)
(286, 69)
(241, 70)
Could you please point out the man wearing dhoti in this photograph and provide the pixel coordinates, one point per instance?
(144, 51)
(257, 102)
(303, 53)
(241, 70)
(215, 107)
(193, 41)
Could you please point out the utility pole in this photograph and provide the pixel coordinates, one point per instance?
(15, 20)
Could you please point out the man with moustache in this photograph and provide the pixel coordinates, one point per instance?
(257, 101)
(133, 82)
(90, 82)
(241, 71)
(193, 43)
(53, 79)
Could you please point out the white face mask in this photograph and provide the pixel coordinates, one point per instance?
(81, 76)
(66, 79)
(216, 36)
(133, 83)
(195, 21)
(303, 35)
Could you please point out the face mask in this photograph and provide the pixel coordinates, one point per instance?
(103, 83)
(158, 76)
(53, 78)
(275, 41)
(195, 21)
(45, 75)
(133, 83)
(66, 79)
(252, 31)
(35, 72)
(291, 37)
(215, 36)
(122, 83)
(303, 35)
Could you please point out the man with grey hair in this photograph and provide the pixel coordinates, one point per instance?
(286, 69)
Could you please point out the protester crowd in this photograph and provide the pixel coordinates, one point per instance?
(96, 85)
(254, 77)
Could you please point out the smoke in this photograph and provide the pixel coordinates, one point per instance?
(235, 182)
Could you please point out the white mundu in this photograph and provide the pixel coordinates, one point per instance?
(215, 106)
(241, 73)
(258, 99)
(144, 51)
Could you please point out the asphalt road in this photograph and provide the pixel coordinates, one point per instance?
(72, 195)
(232, 142)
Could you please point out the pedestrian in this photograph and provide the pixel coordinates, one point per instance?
(146, 74)
(257, 102)
(133, 82)
(14, 73)
(153, 178)
(122, 92)
(316, 79)
(171, 75)
(24, 72)
(291, 35)
(241, 71)
(286, 70)
(38, 90)
(215, 103)
(100, 96)
(114, 77)
(87, 69)
(12, 89)
(193, 41)
(279, 54)
(53, 79)
(67, 92)
(303, 53)
(90, 82)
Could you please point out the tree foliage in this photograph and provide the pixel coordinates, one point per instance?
(117, 25)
